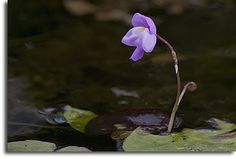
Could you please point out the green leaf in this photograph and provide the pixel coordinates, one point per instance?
(221, 125)
(30, 146)
(78, 118)
(40, 146)
(223, 139)
(73, 149)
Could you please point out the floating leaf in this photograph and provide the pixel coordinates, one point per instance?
(223, 139)
(30, 146)
(221, 125)
(73, 149)
(40, 146)
(78, 118)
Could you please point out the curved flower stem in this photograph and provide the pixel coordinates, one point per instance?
(190, 86)
(176, 105)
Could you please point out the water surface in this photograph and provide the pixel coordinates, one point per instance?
(56, 59)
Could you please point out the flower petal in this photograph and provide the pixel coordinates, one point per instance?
(141, 20)
(148, 41)
(133, 37)
(137, 54)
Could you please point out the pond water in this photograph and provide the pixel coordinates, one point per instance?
(56, 59)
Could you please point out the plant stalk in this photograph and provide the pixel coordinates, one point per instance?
(190, 86)
(176, 105)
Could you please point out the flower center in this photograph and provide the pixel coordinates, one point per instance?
(141, 28)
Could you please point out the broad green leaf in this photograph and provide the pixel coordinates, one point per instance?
(73, 149)
(78, 118)
(40, 146)
(221, 125)
(223, 139)
(30, 146)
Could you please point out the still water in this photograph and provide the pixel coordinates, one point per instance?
(56, 59)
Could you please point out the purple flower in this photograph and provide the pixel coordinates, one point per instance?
(142, 36)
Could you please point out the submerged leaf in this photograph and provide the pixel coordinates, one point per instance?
(30, 146)
(206, 140)
(120, 134)
(78, 118)
(151, 119)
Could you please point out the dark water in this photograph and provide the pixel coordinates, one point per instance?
(55, 58)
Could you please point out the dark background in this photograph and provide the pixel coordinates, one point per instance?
(69, 52)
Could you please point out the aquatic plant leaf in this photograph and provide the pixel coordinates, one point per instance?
(78, 118)
(41, 146)
(221, 125)
(74, 149)
(223, 139)
(30, 146)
